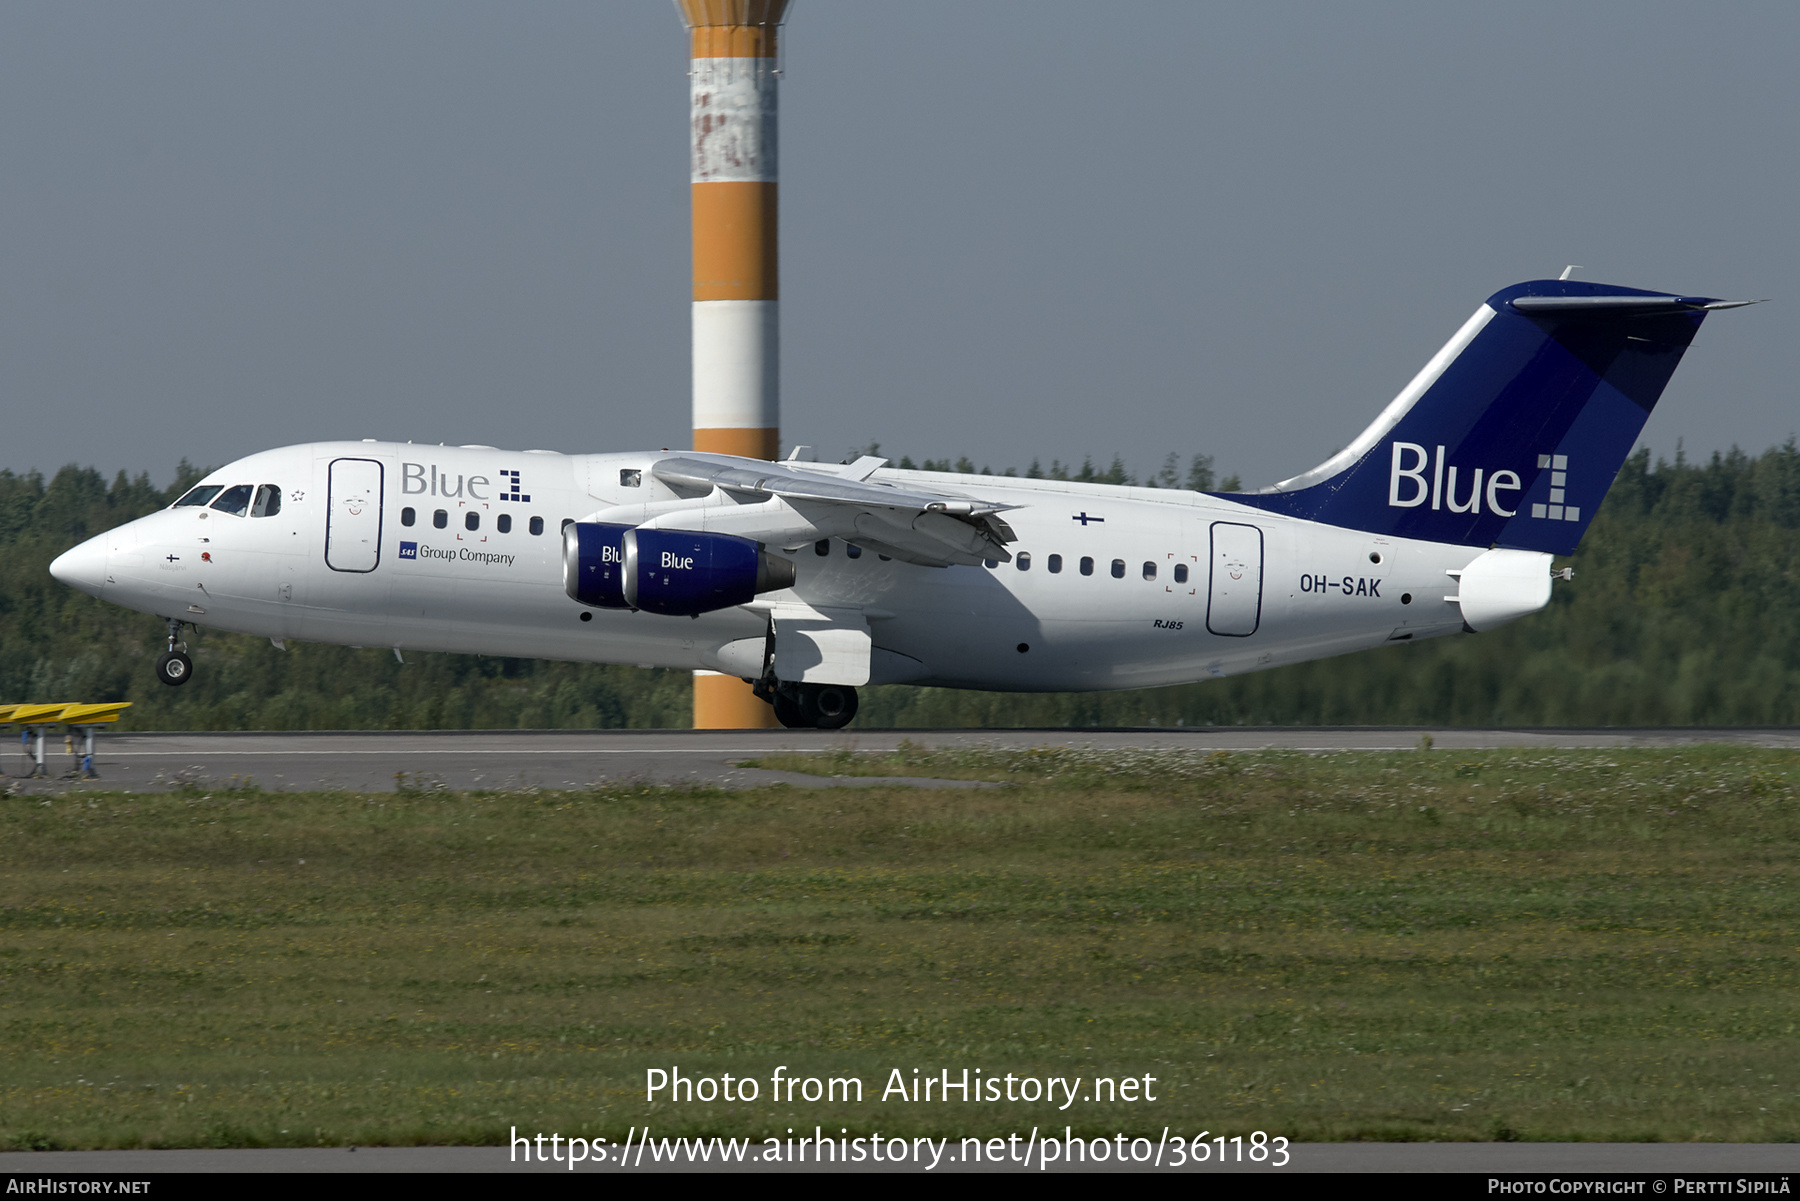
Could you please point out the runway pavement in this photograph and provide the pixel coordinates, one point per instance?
(556, 759)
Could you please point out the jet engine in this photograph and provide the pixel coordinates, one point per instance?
(678, 573)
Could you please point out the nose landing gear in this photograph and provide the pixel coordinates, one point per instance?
(174, 667)
(809, 706)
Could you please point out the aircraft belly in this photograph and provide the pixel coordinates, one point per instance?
(342, 608)
(548, 626)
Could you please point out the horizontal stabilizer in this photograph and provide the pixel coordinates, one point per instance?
(1600, 307)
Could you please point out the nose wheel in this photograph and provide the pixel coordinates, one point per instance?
(173, 667)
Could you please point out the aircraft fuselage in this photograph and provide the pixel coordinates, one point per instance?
(459, 549)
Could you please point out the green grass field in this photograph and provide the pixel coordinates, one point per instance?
(1434, 945)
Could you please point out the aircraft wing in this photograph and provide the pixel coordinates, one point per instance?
(790, 505)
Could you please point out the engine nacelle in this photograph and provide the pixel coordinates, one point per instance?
(678, 573)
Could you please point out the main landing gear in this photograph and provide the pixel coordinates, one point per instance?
(174, 667)
(809, 706)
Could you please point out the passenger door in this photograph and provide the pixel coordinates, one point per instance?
(353, 515)
(1234, 599)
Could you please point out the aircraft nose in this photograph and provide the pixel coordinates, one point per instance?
(83, 566)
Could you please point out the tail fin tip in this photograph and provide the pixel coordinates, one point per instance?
(1512, 433)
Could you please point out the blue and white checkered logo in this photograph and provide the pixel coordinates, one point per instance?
(1556, 510)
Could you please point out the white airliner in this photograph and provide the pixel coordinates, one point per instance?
(810, 580)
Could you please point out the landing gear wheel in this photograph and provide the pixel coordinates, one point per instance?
(787, 712)
(174, 668)
(827, 706)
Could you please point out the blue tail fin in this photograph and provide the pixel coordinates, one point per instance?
(1513, 432)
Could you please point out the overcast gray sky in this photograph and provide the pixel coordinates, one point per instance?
(1010, 229)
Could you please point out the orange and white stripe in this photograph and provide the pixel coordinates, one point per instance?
(737, 331)
(733, 74)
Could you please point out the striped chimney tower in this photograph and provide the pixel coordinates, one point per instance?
(737, 399)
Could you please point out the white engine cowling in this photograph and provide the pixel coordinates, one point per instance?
(1501, 585)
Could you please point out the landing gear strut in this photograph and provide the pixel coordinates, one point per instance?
(809, 706)
(174, 667)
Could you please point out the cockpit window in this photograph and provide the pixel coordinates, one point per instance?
(200, 495)
(268, 501)
(234, 500)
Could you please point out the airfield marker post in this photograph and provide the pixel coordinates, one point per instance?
(87, 758)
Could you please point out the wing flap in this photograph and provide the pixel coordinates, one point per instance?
(917, 526)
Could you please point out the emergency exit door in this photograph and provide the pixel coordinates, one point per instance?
(1234, 598)
(353, 515)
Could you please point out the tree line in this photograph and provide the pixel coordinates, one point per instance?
(1683, 610)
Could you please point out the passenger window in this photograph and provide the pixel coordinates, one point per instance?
(1118, 569)
(567, 522)
(537, 525)
(1181, 573)
(235, 500)
(1055, 564)
(1087, 565)
(200, 495)
(407, 516)
(268, 501)
(822, 547)
(852, 550)
(440, 519)
(990, 564)
(1023, 561)
(1149, 571)
(471, 520)
(503, 523)
(631, 477)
